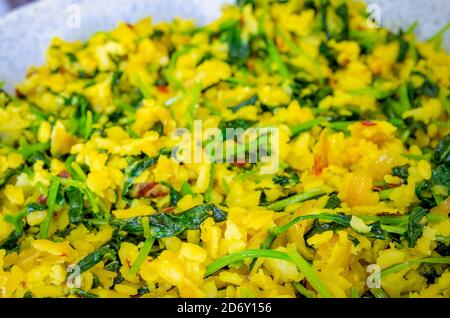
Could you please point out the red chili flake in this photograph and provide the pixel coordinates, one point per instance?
(64, 174)
(344, 62)
(158, 193)
(377, 188)
(250, 65)
(42, 199)
(145, 188)
(169, 209)
(163, 89)
(318, 165)
(150, 189)
(368, 123)
(238, 164)
(19, 94)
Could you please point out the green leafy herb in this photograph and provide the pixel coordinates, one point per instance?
(437, 38)
(74, 169)
(238, 49)
(306, 126)
(143, 253)
(208, 192)
(434, 191)
(96, 203)
(133, 171)
(52, 203)
(243, 3)
(333, 202)
(299, 197)
(94, 258)
(286, 181)
(175, 196)
(84, 293)
(403, 44)
(169, 225)
(323, 17)
(158, 127)
(8, 174)
(251, 101)
(310, 274)
(303, 290)
(340, 219)
(408, 264)
(10, 243)
(401, 171)
(186, 189)
(342, 12)
(82, 120)
(415, 225)
(428, 87)
(16, 219)
(76, 204)
(329, 54)
(233, 125)
(242, 255)
(378, 293)
(441, 153)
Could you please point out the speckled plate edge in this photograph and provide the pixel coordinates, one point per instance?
(26, 33)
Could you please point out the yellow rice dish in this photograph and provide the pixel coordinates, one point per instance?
(93, 203)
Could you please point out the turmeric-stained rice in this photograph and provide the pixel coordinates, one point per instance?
(94, 204)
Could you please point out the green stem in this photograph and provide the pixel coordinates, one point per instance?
(299, 197)
(143, 253)
(242, 255)
(193, 106)
(412, 27)
(428, 260)
(186, 189)
(339, 125)
(280, 229)
(97, 206)
(303, 291)
(208, 193)
(354, 293)
(394, 229)
(310, 274)
(297, 50)
(276, 58)
(443, 239)
(378, 293)
(271, 47)
(51, 201)
(146, 91)
(416, 157)
(306, 126)
(437, 38)
(385, 194)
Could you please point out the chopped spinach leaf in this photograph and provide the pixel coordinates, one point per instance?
(133, 171)
(76, 204)
(333, 202)
(169, 225)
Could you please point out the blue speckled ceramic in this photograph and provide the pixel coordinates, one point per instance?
(26, 33)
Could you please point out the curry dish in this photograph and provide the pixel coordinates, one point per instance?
(94, 204)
